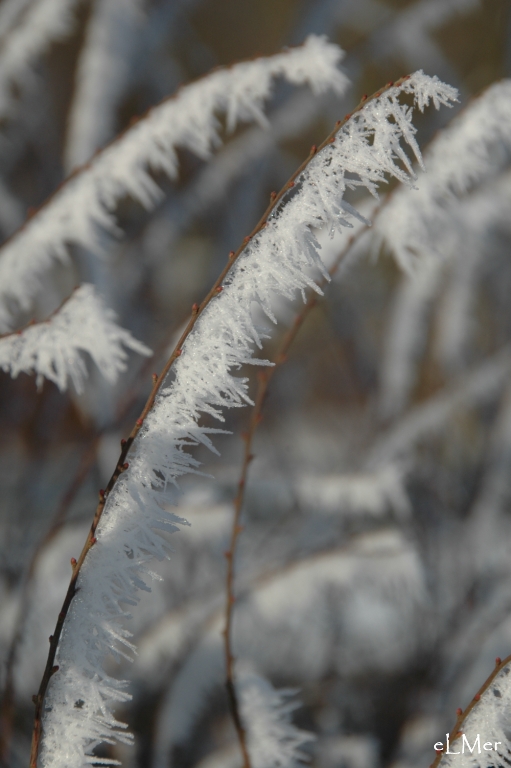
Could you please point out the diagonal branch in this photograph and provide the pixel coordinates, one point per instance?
(82, 209)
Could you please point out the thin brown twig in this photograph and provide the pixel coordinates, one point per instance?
(121, 465)
(463, 714)
(33, 323)
(263, 379)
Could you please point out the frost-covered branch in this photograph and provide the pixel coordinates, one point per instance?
(484, 721)
(103, 70)
(40, 24)
(54, 349)
(82, 210)
(277, 259)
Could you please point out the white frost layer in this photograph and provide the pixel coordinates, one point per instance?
(85, 204)
(277, 261)
(54, 349)
(470, 150)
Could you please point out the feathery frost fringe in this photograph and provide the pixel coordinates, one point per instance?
(83, 208)
(44, 22)
(470, 150)
(272, 739)
(487, 723)
(52, 349)
(103, 70)
(276, 262)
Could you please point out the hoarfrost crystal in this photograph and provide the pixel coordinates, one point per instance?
(53, 349)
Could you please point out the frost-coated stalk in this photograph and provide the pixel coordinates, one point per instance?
(52, 348)
(487, 713)
(82, 210)
(76, 694)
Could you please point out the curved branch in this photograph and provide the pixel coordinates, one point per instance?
(425, 89)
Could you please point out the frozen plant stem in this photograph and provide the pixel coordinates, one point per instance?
(381, 130)
(7, 694)
(475, 702)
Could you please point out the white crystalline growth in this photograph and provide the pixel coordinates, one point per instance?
(475, 146)
(54, 349)
(84, 206)
(277, 261)
(272, 739)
